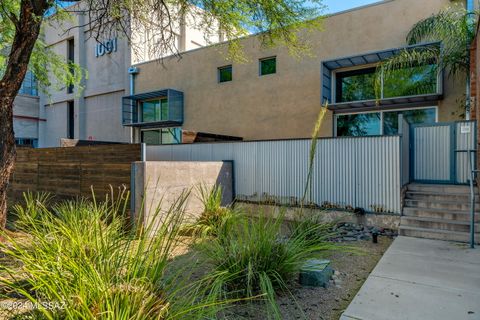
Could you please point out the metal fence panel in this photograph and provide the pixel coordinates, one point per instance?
(465, 140)
(432, 152)
(347, 172)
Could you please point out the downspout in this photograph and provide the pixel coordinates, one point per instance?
(132, 71)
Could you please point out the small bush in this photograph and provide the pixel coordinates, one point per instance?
(214, 216)
(83, 261)
(251, 258)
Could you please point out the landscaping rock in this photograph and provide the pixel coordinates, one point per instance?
(316, 273)
(347, 232)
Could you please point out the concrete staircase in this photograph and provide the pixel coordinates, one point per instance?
(439, 212)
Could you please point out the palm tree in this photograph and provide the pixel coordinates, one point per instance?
(455, 28)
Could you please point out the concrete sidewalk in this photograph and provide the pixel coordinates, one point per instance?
(421, 279)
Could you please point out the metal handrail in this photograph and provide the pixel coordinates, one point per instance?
(473, 172)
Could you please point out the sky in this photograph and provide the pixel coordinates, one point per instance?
(340, 5)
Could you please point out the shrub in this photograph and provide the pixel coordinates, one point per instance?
(251, 258)
(82, 260)
(214, 216)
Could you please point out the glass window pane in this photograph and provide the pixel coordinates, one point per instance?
(225, 74)
(356, 85)
(268, 66)
(149, 110)
(171, 136)
(151, 137)
(164, 110)
(410, 82)
(390, 118)
(362, 124)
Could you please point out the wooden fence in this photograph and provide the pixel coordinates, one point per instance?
(73, 172)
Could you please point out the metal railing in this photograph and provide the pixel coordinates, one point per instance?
(473, 172)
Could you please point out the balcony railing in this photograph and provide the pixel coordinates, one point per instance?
(157, 109)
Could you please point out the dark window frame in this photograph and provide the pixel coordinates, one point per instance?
(71, 60)
(71, 119)
(219, 72)
(339, 76)
(260, 61)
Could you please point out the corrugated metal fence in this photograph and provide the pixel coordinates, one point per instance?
(439, 152)
(347, 172)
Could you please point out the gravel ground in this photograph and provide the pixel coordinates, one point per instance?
(351, 271)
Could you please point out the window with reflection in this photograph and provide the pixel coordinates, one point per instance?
(162, 136)
(359, 85)
(357, 125)
(382, 122)
(154, 110)
(390, 118)
(355, 85)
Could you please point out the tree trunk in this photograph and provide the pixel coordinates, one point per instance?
(27, 30)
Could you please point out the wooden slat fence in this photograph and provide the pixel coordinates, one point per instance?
(72, 172)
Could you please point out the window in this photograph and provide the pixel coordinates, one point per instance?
(162, 136)
(225, 74)
(71, 60)
(155, 110)
(383, 122)
(358, 85)
(355, 85)
(26, 142)
(268, 66)
(390, 118)
(29, 85)
(70, 120)
(360, 124)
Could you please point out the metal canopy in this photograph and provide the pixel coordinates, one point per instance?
(132, 109)
(153, 125)
(420, 100)
(329, 66)
(148, 95)
(371, 57)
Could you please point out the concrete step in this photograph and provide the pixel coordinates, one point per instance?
(439, 196)
(440, 224)
(439, 214)
(440, 188)
(436, 234)
(447, 205)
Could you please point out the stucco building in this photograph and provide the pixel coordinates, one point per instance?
(127, 97)
(277, 96)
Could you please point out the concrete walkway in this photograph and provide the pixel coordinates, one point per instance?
(421, 279)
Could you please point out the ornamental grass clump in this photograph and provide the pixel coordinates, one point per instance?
(252, 258)
(214, 215)
(82, 263)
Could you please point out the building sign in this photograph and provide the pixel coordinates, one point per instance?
(465, 129)
(106, 47)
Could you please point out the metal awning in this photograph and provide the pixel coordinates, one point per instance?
(147, 95)
(153, 125)
(330, 66)
(132, 109)
(386, 103)
(372, 57)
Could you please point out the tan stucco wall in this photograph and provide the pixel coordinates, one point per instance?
(286, 104)
(160, 184)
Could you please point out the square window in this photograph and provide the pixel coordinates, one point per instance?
(225, 74)
(268, 66)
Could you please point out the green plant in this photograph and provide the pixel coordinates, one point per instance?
(455, 28)
(83, 262)
(252, 258)
(214, 215)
